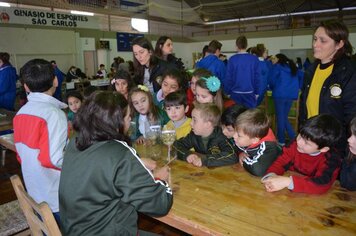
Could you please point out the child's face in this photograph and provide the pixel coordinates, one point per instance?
(74, 104)
(199, 125)
(352, 144)
(306, 146)
(140, 102)
(203, 95)
(243, 140)
(121, 86)
(169, 85)
(228, 130)
(176, 113)
(193, 83)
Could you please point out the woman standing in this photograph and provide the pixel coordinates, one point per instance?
(8, 79)
(104, 184)
(164, 50)
(148, 67)
(284, 80)
(330, 82)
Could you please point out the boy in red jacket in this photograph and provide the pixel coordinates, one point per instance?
(312, 156)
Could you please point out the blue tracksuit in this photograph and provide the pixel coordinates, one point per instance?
(242, 79)
(214, 65)
(285, 88)
(8, 79)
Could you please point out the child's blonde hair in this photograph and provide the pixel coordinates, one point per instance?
(253, 122)
(153, 114)
(209, 112)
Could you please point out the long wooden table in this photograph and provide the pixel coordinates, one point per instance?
(229, 201)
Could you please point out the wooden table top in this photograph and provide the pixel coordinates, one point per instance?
(229, 201)
(7, 141)
(6, 118)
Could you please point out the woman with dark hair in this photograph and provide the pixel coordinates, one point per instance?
(8, 79)
(71, 75)
(284, 80)
(330, 82)
(104, 184)
(148, 67)
(164, 50)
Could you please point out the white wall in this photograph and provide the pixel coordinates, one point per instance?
(24, 44)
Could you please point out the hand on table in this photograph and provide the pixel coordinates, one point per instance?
(276, 183)
(195, 160)
(242, 157)
(140, 140)
(162, 173)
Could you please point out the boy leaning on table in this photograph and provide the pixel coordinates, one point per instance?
(256, 141)
(312, 156)
(211, 146)
(40, 133)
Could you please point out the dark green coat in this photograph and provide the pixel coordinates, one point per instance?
(103, 187)
(218, 150)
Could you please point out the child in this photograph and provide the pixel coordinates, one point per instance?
(74, 100)
(173, 80)
(256, 140)
(348, 169)
(209, 90)
(191, 92)
(122, 83)
(144, 112)
(312, 156)
(211, 147)
(101, 74)
(228, 119)
(40, 133)
(175, 104)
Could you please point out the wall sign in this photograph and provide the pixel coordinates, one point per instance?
(124, 41)
(46, 18)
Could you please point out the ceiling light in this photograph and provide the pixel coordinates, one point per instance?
(140, 25)
(273, 16)
(4, 4)
(84, 13)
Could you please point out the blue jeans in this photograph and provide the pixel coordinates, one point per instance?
(282, 108)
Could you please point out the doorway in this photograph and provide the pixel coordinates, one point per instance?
(90, 63)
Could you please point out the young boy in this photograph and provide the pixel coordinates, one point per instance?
(228, 119)
(256, 141)
(211, 146)
(175, 104)
(311, 156)
(40, 133)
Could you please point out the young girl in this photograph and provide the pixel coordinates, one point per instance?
(348, 168)
(208, 90)
(144, 112)
(122, 82)
(172, 81)
(74, 100)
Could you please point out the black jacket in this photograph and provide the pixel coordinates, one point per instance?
(342, 105)
(218, 151)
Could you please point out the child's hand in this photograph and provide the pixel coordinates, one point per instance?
(195, 160)
(149, 163)
(162, 173)
(242, 157)
(140, 140)
(276, 183)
